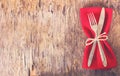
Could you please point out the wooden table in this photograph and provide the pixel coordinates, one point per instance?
(45, 38)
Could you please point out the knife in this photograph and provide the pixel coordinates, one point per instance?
(100, 26)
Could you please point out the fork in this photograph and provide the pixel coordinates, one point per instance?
(94, 27)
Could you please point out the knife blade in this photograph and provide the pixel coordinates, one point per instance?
(100, 26)
(101, 20)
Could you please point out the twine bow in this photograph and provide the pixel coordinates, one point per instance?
(101, 37)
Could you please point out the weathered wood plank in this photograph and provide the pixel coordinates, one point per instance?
(44, 37)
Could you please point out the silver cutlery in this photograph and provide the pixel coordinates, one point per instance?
(97, 28)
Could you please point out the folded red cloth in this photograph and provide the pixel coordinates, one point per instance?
(96, 62)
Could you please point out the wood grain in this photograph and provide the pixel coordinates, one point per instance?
(45, 38)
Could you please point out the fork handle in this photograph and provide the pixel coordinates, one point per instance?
(91, 54)
(102, 54)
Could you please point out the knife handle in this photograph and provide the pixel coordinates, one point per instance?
(91, 54)
(102, 54)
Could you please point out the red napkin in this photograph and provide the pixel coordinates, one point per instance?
(97, 62)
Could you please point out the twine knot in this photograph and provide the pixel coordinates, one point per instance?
(101, 37)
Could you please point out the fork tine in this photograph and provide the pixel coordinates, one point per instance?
(94, 20)
(90, 19)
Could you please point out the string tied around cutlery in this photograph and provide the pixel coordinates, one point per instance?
(101, 37)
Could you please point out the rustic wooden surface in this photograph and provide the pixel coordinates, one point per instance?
(45, 38)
